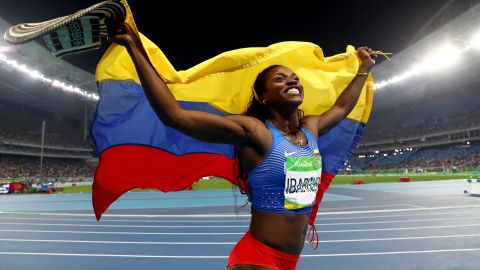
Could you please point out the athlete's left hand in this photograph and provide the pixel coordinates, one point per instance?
(367, 57)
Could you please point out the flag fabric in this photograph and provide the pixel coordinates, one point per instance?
(136, 150)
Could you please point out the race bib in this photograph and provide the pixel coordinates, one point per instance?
(302, 177)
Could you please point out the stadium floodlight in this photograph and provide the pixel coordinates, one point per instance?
(4, 49)
(475, 41)
(445, 56)
(395, 79)
(35, 74)
(417, 69)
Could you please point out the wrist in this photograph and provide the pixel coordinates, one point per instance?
(133, 44)
(130, 43)
(364, 69)
(362, 74)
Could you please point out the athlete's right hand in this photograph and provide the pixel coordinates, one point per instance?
(124, 35)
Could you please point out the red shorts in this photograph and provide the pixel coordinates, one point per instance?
(251, 251)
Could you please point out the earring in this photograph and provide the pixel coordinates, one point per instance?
(264, 102)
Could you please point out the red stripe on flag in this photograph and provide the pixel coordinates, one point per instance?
(126, 167)
(312, 235)
(322, 188)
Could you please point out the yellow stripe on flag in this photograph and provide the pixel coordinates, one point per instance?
(225, 81)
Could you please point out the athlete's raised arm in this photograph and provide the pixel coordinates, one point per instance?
(347, 100)
(201, 125)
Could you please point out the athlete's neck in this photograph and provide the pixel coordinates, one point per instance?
(290, 124)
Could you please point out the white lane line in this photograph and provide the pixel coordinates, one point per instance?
(370, 206)
(123, 226)
(395, 221)
(127, 233)
(402, 228)
(233, 243)
(398, 238)
(127, 215)
(241, 233)
(393, 252)
(248, 215)
(466, 213)
(116, 242)
(463, 213)
(400, 210)
(413, 205)
(225, 257)
(112, 255)
(128, 220)
(231, 226)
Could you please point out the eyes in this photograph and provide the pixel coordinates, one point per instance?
(282, 77)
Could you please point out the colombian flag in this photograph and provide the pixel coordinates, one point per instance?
(138, 151)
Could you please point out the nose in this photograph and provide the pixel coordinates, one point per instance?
(292, 81)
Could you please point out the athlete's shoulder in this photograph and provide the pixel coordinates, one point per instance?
(248, 122)
(255, 129)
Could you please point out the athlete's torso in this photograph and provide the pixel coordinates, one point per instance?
(276, 228)
(286, 180)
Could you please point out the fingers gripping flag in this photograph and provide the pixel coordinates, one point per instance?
(138, 151)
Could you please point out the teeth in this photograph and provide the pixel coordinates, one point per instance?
(293, 91)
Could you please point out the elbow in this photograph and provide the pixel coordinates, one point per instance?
(172, 120)
(347, 111)
(343, 111)
(171, 123)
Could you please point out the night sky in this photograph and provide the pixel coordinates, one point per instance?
(189, 32)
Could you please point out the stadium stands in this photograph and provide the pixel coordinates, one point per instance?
(26, 102)
(20, 167)
(64, 149)
(444, 137)
(449, 158)
(23, 124)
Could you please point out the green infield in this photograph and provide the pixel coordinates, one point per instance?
(349, 179)
(219, 183)
(76, 189)
(80, 189)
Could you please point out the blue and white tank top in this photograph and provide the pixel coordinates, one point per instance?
(287, 179)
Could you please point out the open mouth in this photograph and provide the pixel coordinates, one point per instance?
(293, 91)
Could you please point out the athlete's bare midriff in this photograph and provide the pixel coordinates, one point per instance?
(283, 232)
